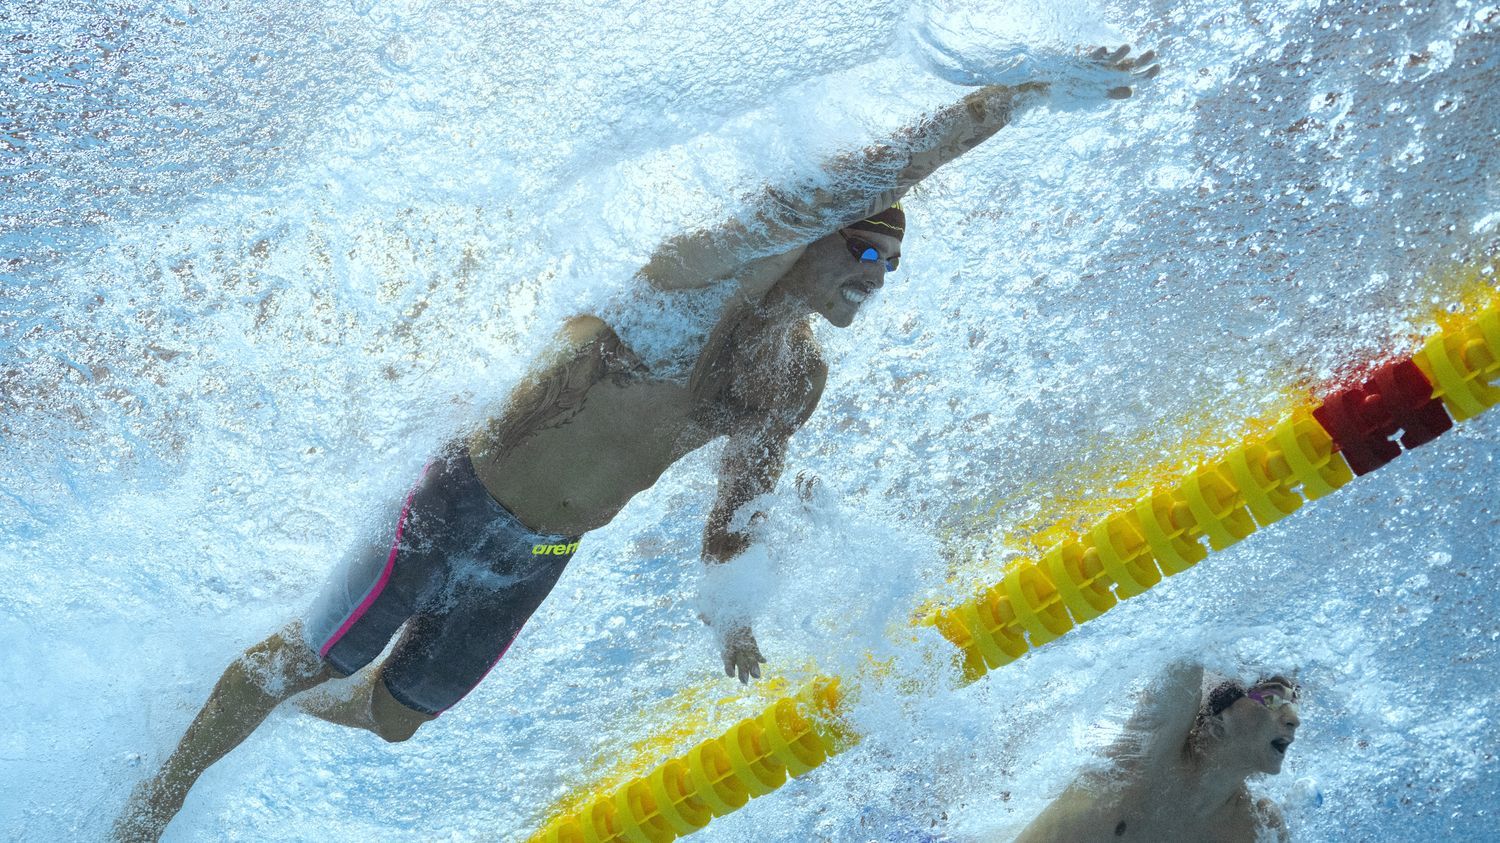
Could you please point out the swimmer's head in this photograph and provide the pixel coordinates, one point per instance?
(1252, 727)
(837, 273)
(890, 222)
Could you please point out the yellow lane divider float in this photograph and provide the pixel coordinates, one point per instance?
(1308, 455)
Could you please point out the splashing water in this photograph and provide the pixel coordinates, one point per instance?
(260, 259)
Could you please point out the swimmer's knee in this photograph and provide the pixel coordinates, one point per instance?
(397, 732)
(282, 665)
(394, 721)
(304, 665)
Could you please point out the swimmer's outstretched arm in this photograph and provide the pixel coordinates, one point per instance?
(860, 184)
(868, 181)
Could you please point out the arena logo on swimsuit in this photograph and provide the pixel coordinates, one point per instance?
(559, 549)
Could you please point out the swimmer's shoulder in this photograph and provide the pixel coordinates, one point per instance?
(588, 333)
(587, 337)
(1268, 817)
(1084, 811)
(1246, 819)
(785, 385)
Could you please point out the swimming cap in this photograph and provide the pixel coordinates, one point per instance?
(890, 222)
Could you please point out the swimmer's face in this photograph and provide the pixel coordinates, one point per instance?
(1258, 734)
(834, 283)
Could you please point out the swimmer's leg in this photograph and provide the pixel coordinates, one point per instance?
(268, 673)
(366, 705)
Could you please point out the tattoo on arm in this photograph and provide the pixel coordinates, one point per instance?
(871, 180)
(958, 128)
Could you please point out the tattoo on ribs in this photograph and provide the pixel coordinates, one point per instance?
(557, 395)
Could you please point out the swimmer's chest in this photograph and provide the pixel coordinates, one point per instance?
(638, 426)
(575, 475)
(1145, 815)
(643, 423)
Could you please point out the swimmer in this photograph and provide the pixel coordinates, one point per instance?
(487, 530)
(1179, 772)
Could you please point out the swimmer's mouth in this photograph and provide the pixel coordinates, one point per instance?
(854, 293)
(1280, 745)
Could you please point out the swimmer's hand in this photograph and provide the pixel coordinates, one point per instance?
(1096, 74)
(1129, 70)
(742, 656)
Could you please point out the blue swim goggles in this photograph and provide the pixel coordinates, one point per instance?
(866, 252)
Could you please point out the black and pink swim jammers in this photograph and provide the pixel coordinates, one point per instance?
(458, 569)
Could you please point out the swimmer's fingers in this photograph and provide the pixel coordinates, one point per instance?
(1121, 60)
(1132, 69)
(1144, 66)
(756, 659)
(750, 669)
(1110, 58)
(742, 657)
(750, 660)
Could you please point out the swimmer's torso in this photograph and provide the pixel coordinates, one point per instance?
(598, 426)
(575, 476)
